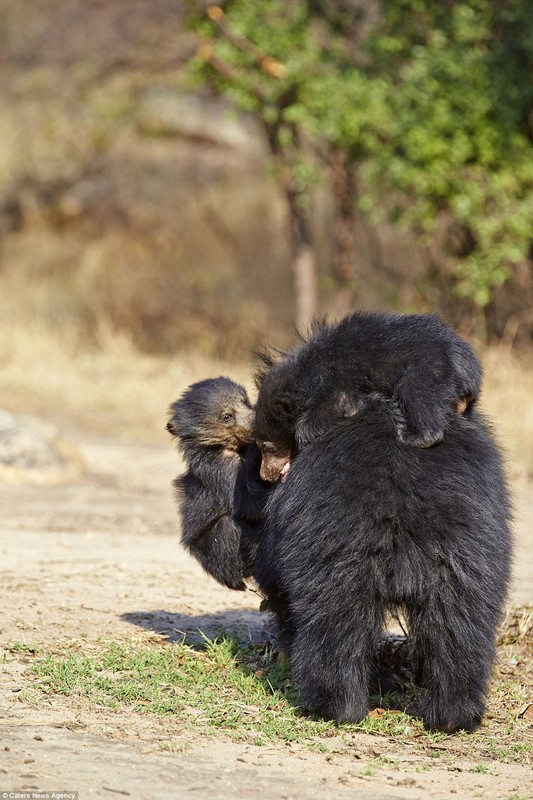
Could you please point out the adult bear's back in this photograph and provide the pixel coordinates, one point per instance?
(358, 503)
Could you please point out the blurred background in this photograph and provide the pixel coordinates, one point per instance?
(181, 182)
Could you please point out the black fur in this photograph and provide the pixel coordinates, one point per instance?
(221, 497)
(416, 361)
(365, 523)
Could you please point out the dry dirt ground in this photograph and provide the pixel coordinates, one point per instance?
(100, 558)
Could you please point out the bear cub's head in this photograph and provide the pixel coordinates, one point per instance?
(213, 413)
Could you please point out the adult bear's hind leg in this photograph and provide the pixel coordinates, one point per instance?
(332, 653)
(453, 641)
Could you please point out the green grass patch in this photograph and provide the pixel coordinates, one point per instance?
(224, 685)
(484, 769)
(246, 692)
(20, 648)
(239, 688)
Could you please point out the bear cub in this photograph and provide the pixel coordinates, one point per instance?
(220, 498)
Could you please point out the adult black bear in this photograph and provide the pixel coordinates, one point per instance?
(221, 497)
(365, 523)
(417, 362)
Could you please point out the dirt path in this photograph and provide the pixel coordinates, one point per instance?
(101, 559)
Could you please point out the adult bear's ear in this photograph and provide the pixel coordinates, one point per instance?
(317, 421)
(311, 426)
(267, 357)
(283, 405)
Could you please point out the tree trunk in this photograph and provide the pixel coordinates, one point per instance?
(304, 270)
(303, 265)
(344, 194)
(303, 257)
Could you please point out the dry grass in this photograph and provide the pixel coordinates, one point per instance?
(108, 389)
(112, 388)
(508, 399)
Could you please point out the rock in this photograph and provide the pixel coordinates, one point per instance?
(168, 112)
(32, 451)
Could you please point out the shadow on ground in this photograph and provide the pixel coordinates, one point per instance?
(391, 673)
(246, 625)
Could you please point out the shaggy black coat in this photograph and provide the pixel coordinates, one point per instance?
(365, 523)
(221, 497)
(418, 362)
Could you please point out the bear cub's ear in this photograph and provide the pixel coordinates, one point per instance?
(176, 420)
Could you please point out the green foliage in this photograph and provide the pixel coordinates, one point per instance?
(455, 144)
(433, 100)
